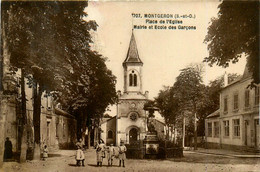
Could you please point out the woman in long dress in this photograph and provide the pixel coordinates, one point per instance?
(100, 153)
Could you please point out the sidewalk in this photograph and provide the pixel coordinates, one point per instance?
(227, 153)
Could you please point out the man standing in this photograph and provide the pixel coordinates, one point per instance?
(8, 154)
(122, 156)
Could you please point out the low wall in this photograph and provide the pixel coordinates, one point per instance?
(135, 153)
(165, 150)
(212, 145)
(176, 152)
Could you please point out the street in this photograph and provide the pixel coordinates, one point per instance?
(64, 160)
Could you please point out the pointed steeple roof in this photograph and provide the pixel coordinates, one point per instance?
(132, 54)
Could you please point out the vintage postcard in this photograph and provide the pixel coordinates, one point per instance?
(129, 86)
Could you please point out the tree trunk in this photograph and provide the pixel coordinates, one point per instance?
(168, 132)
(171, 132)
(195, 132)
(84, 126)
(79, 126)
(95, 134)
(174, 130)
(89, 129)
(23, 146)
(183, 133)
(37, 94)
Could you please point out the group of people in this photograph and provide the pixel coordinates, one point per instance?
(110, 152)
(102, 151)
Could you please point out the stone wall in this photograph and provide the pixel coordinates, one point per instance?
(66, 131)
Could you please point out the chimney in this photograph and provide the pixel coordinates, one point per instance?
(118, 93)
(225, 79)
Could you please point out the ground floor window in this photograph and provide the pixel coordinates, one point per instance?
(216, 129)
(209, 129)
(236, 123)
(109, 134)
(226, 128)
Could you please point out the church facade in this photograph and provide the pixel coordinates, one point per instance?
(129, 124)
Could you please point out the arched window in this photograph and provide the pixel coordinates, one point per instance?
(110, 134)
(132, 79)
(135, 80)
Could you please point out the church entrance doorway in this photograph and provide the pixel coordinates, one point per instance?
(133, 134)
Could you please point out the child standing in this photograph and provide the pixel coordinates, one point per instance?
(110, 154)
(82, 155)
(79, 156)
(99, 155)
(45, 153)
(100, 150)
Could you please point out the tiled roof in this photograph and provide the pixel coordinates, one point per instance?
(247, 74)
(132, 54)
(214, 114)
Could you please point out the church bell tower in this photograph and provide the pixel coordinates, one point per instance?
(132, 69)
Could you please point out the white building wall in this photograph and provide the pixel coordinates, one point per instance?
(103, 134)
(246, 115)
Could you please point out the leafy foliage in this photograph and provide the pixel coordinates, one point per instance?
(188, 88)
(235, 31)
(211, 101)
(51, 41)
(168, 105)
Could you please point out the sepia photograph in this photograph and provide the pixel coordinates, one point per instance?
(129, 85)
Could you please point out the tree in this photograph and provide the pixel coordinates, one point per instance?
(211, 101)
(46, 39)
(168, 107)
(87, 90)
(189, 91)
(235, 31)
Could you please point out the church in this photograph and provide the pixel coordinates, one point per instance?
(129, 124)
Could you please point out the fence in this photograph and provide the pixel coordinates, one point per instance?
(166, 149)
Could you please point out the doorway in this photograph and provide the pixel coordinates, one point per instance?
(247, 133)
(133, 134)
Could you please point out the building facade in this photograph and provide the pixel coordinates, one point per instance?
(57, 127)
(236, 123)
(130, 123)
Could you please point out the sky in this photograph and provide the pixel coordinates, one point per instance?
(164, 52)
